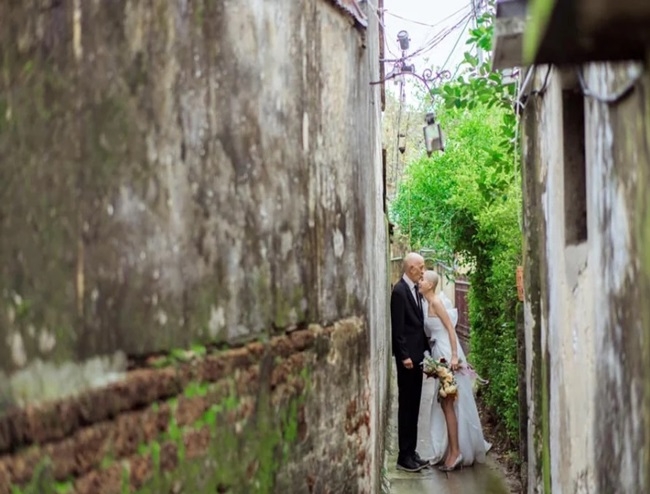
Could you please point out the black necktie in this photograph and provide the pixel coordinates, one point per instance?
(417, 297)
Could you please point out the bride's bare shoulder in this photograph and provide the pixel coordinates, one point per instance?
(434, 306)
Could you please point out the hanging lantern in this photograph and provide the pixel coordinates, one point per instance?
(433, 139)
(401, 142)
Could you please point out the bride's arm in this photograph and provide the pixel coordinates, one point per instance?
(442, 313)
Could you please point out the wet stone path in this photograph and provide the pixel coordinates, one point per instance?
(478, 479)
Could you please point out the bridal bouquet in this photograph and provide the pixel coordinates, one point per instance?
(441, 370)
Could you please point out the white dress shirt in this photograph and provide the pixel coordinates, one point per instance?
(412, 288)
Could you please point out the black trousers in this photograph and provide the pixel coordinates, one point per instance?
(409, 392)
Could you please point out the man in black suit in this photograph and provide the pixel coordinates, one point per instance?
(409, 344)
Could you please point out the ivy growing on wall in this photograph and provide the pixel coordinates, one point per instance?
(465, 204)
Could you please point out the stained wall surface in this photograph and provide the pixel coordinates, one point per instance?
(202, 176)
(587, 271)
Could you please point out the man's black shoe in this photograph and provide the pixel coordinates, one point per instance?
(409, 465)
(420, 461)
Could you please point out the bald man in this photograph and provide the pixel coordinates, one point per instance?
(409, 344)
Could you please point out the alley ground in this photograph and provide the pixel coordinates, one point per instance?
(479, 479)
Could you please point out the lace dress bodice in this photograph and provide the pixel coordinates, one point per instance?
(437, 333)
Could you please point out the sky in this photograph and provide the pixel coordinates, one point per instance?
(439, 15)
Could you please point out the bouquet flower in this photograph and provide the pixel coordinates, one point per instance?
(441, 370)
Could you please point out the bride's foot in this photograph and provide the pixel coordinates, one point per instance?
(450, 466)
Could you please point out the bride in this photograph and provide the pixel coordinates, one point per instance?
(456, 433)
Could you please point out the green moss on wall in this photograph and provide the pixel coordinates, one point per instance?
(43, 483)
(546, 429)
(242, 456)
(288, 308)
(199, 12)
(246, 461)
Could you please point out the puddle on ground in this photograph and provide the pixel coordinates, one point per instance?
(479, 479)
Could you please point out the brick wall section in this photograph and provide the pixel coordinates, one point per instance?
(87, 443)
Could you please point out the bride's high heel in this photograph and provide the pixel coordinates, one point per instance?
(457, 464)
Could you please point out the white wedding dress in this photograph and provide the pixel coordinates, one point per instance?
(473, 446)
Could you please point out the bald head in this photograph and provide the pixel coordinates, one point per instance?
(410, 259)
(413, 266)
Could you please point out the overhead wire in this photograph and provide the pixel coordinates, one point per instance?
(451, 52)
(476, 5)
(432, 41)
(435, 31)
(522, 87)
(424, 23)
(380, 19)
(620, 94)
(616, 96)
(437, 39)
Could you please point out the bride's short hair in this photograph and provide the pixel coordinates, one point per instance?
(432, 277)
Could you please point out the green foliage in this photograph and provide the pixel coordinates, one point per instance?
(478, 85)
(464, 200)
(465, 204)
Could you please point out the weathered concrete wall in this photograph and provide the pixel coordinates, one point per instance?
(198, 173)
(587, 330)
(621, 211)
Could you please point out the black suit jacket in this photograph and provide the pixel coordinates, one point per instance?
(407, 322)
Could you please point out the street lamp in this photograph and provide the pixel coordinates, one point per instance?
(403, 40)
(433, 139)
